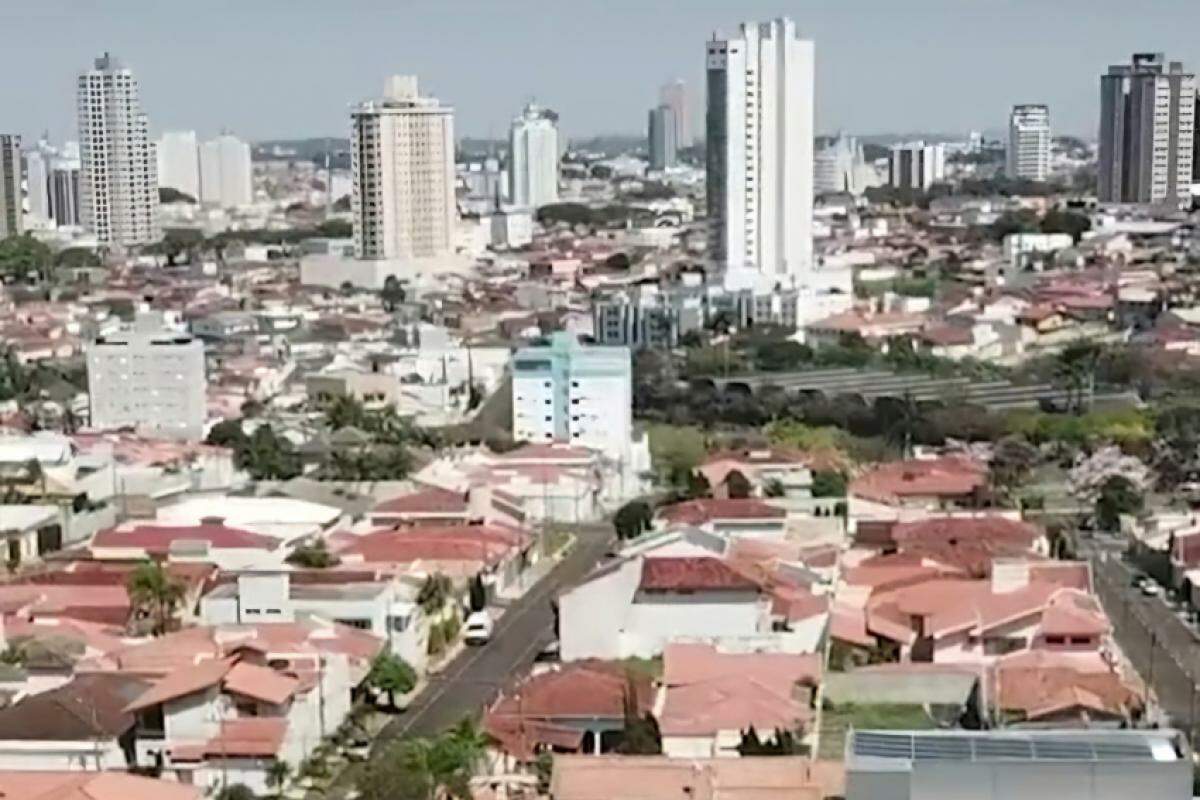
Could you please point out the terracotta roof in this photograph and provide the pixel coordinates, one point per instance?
(488, 544)
(759, 456)
(245, 737)
(183, 682)
(692, 573)
(947, 477)
(697, 512)
(661, 778)
(260, 683)
(1043, 691)
(23, 785)
(967, 543)
(158, 538)
(433, 500)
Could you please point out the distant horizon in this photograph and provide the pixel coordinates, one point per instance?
(273, 69)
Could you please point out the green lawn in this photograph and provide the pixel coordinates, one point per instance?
(837, 720)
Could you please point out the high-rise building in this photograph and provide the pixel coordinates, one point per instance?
(148, 377)
(1147, 126)
(11, 200)
(916, 165)
(119, 174)
(760, 153)
(402, 161)
(225, 172)
(1028, 154)
(839, 166)
(533, 158)
(675, 96)
(661, 135)
(37, 182)
(179, 162)
(570, 392)
(64, 189)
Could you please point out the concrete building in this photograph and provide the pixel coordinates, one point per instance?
(760, 154)
(225, 172)
(119, 175)
(990, 765)
(533, 150)
(839, 167)
(402, 160)
(37, 181)
(179, 162)
(1028, 153)
(916, 165)
(574, 393)
(148, 378)
(64, 189)
(675, 96)
(1147, 119)
(10, 185)
(662, 137)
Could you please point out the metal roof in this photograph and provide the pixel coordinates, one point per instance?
(1122, 746)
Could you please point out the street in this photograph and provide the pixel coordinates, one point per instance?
(474, 677)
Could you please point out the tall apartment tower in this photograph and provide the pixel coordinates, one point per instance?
(11, 200)
(661, 136)
(37, 181)
(533, 158)
(148, 377)
(179, 162)
(675, 96)
(916, 165)
(1147, 127)
(119, 173)
(760, 154)
(225, 172)
(402, 161)
(1028, 154)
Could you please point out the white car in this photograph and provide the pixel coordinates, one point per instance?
(478, 629)
(1151, 589)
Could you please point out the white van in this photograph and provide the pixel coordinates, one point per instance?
(478, 629)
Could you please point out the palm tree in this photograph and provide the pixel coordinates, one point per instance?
(908, 419)
(1076, 368)
(150, 587)
(470, 742)
(277, 775)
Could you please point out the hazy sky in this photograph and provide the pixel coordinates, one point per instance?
(291, 68)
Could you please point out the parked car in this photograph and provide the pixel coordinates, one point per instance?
(478, 629)
(1151, 589)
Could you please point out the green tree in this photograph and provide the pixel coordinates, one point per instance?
(236, 791)
(315, 555)
(22, 256)
(1013, 459)
(151, 589)
(774, 488)
(1056, 221)
(828, 483)
(477, 594)
(76, 257)
(392, 675)
(1118, 495)
(277, 776)
(632, 519)
(1076, 369)
(640, 735)
(434, 592)
(779, 356)
(228, 433)
(168, 195)
(267, 456)
(392, 294)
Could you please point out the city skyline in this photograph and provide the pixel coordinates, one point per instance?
(301, 85)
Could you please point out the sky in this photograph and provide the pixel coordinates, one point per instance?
(292, 68)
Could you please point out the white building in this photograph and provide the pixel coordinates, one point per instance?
(11, 203)
(148, 378)
(1147, 129)
(402, 158)
(179, 162)
(760, 153)
(119, 175)
(1018, 247)
(225, 172)
(916, 165)
(662, 133)
(840, 167)
(675, 96)
(533, 150)
(1028, 154)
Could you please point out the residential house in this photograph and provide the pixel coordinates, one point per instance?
(766, 470)
(915, 487)
(66, 785)
(210, 541)
(664, 778)
(728, 517)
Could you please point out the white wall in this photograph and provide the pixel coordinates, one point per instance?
(29, 755)
(591, 615)
(651, 623)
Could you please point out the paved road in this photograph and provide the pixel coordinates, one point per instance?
(474, 677)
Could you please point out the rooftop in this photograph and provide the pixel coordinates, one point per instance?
(690, 574)
(1056, 746)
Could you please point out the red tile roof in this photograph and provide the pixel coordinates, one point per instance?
(433, 500)
(261, 683)
(158, 538)
(966, 543)
(489, 544)
(692, 573)
(183, 682)
(25, 785)
(948, 477)
(698, 512)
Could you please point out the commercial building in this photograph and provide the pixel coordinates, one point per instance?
(1147, 127)
(533, 151)
(10, 185)
(760, 153)
(570, 392)
(840, 166)
(675, 96)
(225, 172)
(916, 165)
(402, 160)
(662, 137)
(119, 175)
(1064, 764)
(1028, 153)
(179, 162)
(148, 378)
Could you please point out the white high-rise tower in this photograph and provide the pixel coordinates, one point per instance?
(179, 162)
(225, 172)
(402, 160)
(1028, 154)
(760, 154)
(533, 158)
(118, 180)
